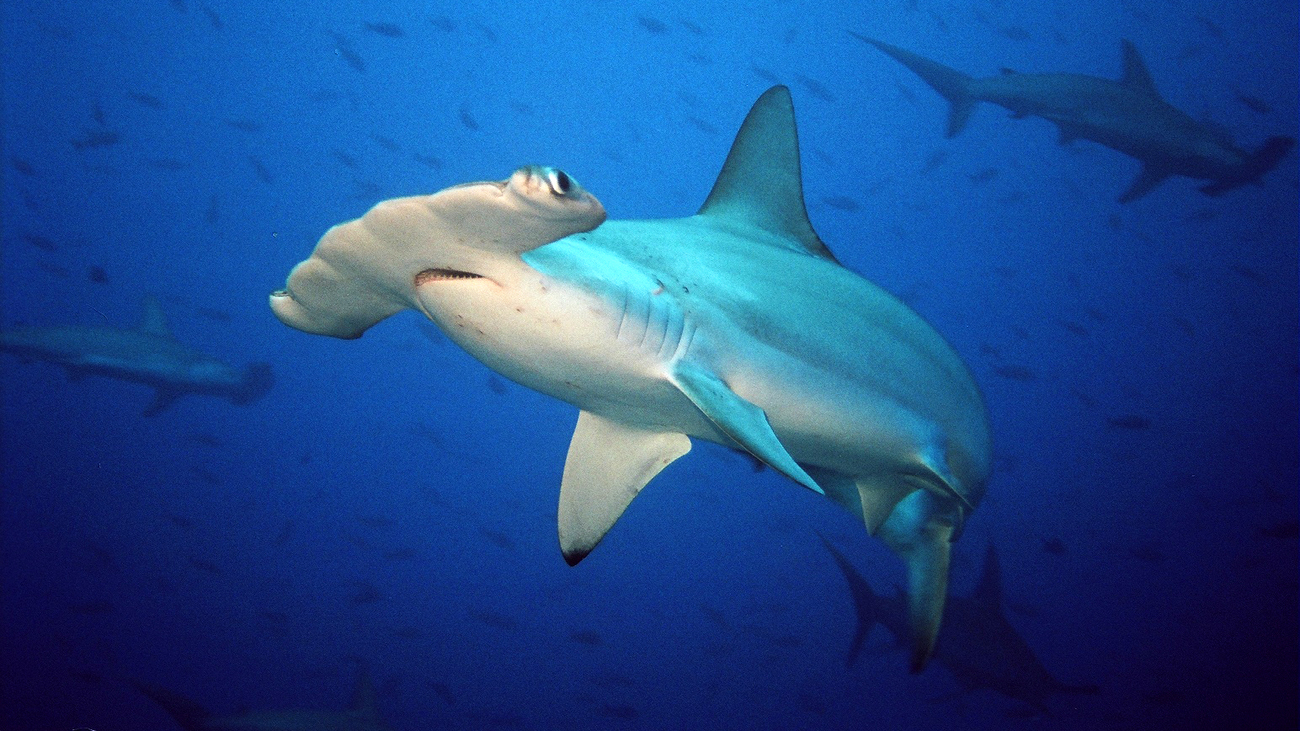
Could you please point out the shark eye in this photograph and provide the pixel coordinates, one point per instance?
(560, 182)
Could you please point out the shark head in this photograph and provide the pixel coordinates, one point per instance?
(365, 270)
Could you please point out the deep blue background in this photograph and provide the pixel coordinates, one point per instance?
(391, 500)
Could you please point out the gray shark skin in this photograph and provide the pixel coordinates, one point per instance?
(1126, 115)
(978, 645)
(147, 354)
(735, 325)
(362, 715)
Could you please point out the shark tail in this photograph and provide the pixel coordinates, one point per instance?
(188, 714)
(1260, 162)
(258, 380)
(952, 84)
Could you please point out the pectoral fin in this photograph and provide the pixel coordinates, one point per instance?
(920, 531)
(743, 422)
(161, 400)
(607, 466)
(1149, 178)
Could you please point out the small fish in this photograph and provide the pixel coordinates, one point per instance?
(145, 100)
(701, 125)
(1016, 373)
(1285, 529)
(97, 138)
(492, 619)
(386, 143)
(263, 174)
(429, 161)
(366, 593)
(388, 30)
(213, 314)
(343, 47)
(840, 203)
(443, 23)
(467, 119)
(205, 565)
(1254, 103)
(653, 25)
(1015, 33)
(764, 74)
(986, 175)
(1132, 422)
(586, 637)
(167, 163)
(498, 539)
(97, 275)
(1054, 546)
(443, 692)
(620, 712)
(286, 532)
(92, 608)
(1075, 328)
(815, 87)
(205, 440)
(213, 18)
(22, 166)
(343, 157)
(244, 125)
(43, 243)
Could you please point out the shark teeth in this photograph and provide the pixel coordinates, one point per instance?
(441, 275)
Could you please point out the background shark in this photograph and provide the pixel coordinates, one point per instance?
(1126, 115)
(978, 645)
(735, 325)
(147, 354)
(361, 715)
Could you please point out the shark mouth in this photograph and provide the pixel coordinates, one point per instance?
(442, 275)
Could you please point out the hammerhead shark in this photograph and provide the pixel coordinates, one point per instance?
(147, 354)
(735, 325)
(978, 645)
(1128, 115)
(362, 715)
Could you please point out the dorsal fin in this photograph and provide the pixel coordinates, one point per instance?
(153, 321)
(989, 591)
(760, 181)
(1136, 75)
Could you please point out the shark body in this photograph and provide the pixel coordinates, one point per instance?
(735, 325)
(1128, 115)
(979, 645)
(147, 354)
(362, 715)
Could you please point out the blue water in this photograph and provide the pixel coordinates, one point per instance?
(391, 502)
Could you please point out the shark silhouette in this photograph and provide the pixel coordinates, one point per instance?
(1128, 115)
(147, 354)
(979, 646)
(735, 325)
(362, 715)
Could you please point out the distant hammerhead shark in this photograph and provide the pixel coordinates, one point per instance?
(978, 645)
(735, 325)
(1128, 115)
(362, 715)
(147, 354)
